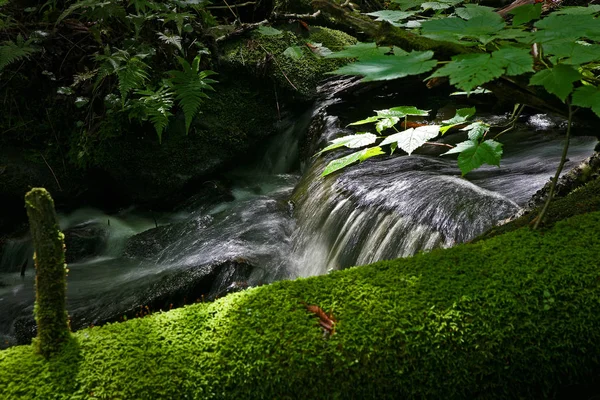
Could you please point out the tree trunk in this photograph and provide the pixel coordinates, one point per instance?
(48, 242)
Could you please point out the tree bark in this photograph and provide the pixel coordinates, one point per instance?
(48, 242)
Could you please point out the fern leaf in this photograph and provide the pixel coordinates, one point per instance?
(154, 106)
(15, 51)
(132, 76)
(190, 86)
(172, 39)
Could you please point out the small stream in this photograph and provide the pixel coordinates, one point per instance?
(267, 222)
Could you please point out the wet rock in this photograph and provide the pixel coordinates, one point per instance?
(85, 241)
(149, 244)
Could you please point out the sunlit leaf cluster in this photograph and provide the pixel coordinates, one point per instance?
(472, 153)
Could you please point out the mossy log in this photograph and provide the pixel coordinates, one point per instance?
(49, 257)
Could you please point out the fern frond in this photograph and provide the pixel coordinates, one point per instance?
(132, 76)
(93, 10)
(179, 18)
(172, 39)
(154, 106)
(190, 86)
(141, 6)
(131, 71)
(14, 51)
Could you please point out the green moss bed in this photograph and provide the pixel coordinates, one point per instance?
(515, 316)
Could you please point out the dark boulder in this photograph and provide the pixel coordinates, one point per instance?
(85, 241)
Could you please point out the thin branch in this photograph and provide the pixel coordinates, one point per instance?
(233, 12)
(440, 144)
(243, 29)
(314, 15)
(249, 3)
(282, 71)
(513, 120)
(563, 159)
(51, 170)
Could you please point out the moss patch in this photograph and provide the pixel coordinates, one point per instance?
(263, 55)
(513, 316)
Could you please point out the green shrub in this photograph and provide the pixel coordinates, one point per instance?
(513, 316)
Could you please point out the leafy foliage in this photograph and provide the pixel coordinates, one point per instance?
(154, 106)
(190, 86)
(386, 67)
(526, 13)
(473, 152)
(12, 51)
(567, 37)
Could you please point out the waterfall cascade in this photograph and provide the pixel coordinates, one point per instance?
(273, 223)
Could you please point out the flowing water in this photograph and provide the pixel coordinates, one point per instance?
(282, 224)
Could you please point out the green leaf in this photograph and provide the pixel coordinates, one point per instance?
(407, 4)
(401, 112)
(350, 141)
(412, 138)
(469, 11)
(468, 71)
(488, 152)
(461, 116)
(460, 147)
(474, 155)
(480, 28)
(572, 52)
(386, 123)
(366, 50)
(440, 4)
(294, 52)
(366, 120)
(566, 27)
(392, 16)
(526, 13)
(361, 155)
(377, 68)
(516, 61)
(476, 130)
(557, 80)
(268, 31)
(587, 96)
(590, 9)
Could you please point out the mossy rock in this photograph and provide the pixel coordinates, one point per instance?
(237, 115)
(582, 200)
(298, 73)
(515, 316)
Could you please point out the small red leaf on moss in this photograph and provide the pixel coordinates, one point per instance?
(327, 322)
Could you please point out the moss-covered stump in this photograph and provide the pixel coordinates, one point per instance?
(292, 59)
(515, 316)
(582, 200)
(50, 275)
